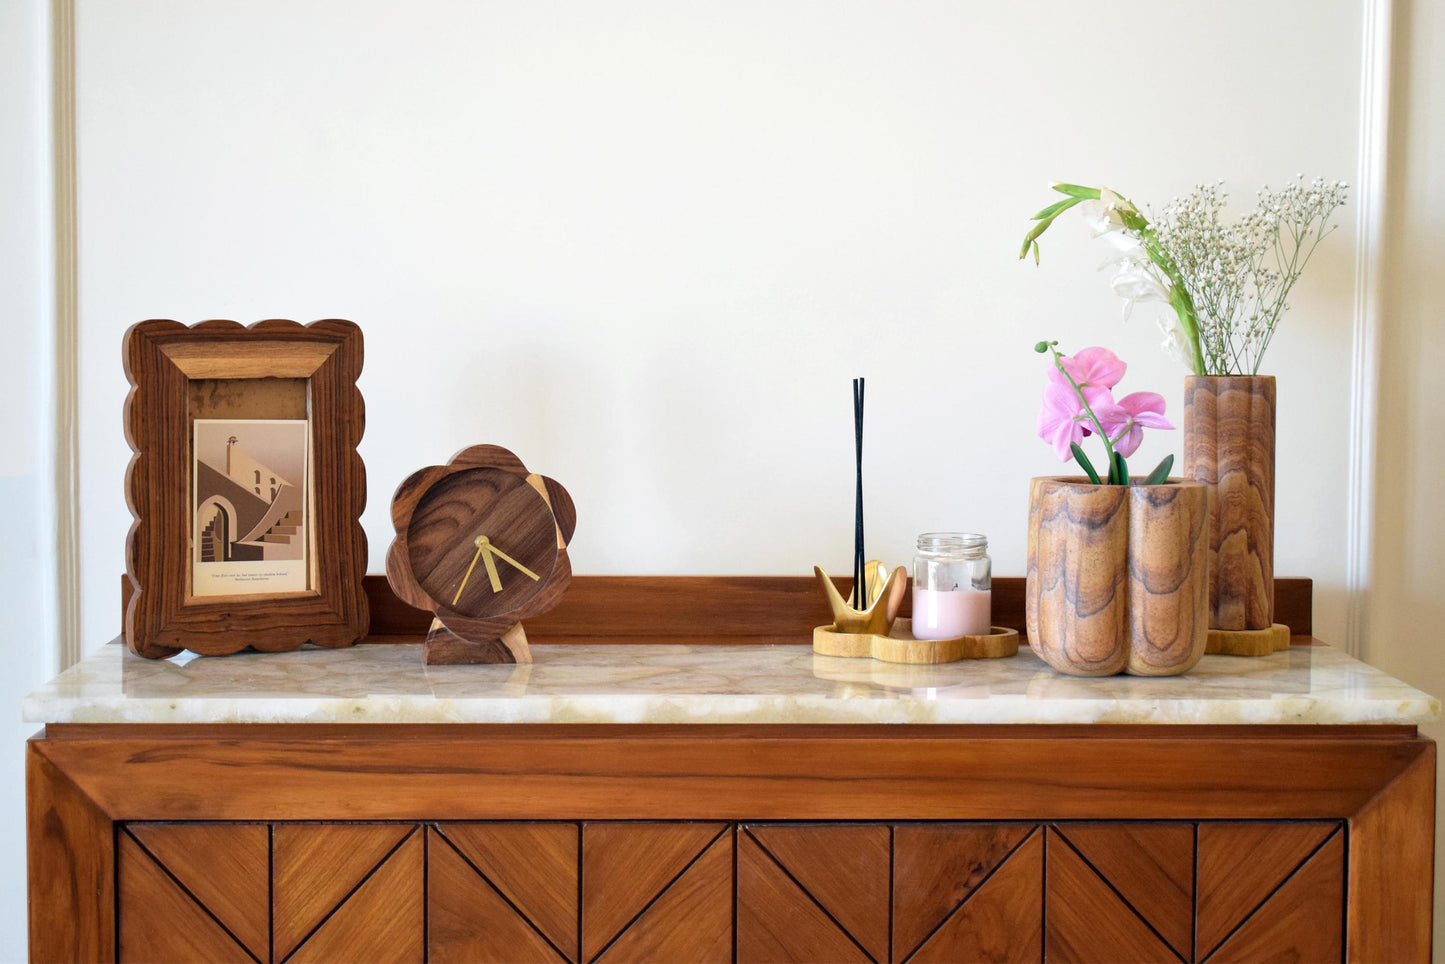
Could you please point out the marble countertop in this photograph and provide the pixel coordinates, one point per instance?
(747, 683)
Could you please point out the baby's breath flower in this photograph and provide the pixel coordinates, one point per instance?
(1239, 273)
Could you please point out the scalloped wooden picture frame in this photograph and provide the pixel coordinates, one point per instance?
(162, 359)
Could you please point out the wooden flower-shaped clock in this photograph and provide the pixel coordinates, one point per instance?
(481, 543)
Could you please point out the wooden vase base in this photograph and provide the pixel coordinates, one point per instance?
(899, 646)
(1248, 642)
(445, 648)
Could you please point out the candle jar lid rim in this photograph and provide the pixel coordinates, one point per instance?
(952, 542)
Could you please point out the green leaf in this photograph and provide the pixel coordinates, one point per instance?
(1054, 209)
(1119, 472)
(1076, 190)
(1084, 462)
(1161, 471)
(1044, 218)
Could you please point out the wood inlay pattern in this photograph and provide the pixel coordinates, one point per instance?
(159, 922)
(845, 868)
(1302, 920)
(1117, 576)
(1001, 921)
(225, 866)
(1085, 919)
(468, 918)
(936, 867)
(1229, 444)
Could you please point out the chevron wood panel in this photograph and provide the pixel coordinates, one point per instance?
(691, 922)
(159, 922)
(1241, 864)
(1001, 919)
(1151, 865)
(316, 865)
(468, 919)
(937, 866)
(226, 867)
(383, 921)
(777, 921)
(1085, 920)
(1301, 921)
(534, 865)
(625, 866)
(844, 867)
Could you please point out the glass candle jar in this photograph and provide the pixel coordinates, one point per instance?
(952, 586)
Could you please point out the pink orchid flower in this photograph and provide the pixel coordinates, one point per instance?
(1126, 419)
(1092, 368)
(1062, 420)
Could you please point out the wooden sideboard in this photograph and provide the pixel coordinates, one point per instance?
(763, 841)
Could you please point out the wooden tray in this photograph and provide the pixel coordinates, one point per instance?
(899, 646)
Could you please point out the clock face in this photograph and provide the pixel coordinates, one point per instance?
(482, 542)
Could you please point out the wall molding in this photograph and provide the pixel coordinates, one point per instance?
(67, 345)
(1371, 186)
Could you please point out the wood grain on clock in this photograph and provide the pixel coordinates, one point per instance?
(489, 457)
(1229, 445)
(481, 543)
(1118, 576)
(481, 503)
(178, 373)
(562, 508)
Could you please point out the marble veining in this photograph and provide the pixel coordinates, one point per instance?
(748, 683)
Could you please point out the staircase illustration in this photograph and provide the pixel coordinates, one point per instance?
(284, 529)
(211, 542)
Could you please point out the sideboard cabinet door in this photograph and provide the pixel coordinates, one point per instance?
(502, 892)
(968, 892)
(657, 892)
(347, 892)
(193, 892)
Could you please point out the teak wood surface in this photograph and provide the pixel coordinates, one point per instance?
(716, 609)
(225, 369)
(1229, 424)
(1118, 576)
(85, 780)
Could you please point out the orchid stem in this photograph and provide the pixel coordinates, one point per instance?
(1103, 435)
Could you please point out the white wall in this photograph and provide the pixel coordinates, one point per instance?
(647, 244)
(1407, 596)
(27, 561)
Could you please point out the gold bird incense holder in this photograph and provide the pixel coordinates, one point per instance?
(881, 598)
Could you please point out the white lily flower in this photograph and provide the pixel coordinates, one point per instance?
(1138, 279)
(1105, 216)
(1126, 247)
(1176, 342)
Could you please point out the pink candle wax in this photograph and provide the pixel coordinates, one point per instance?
(944, 614)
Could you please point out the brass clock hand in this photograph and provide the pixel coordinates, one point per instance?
(486, 548)
(469, 572)
(508, 559)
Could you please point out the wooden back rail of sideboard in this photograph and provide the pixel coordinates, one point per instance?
(718, 609)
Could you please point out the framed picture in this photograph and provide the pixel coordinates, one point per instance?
(245, 486)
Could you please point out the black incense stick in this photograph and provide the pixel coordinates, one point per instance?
(860, 596)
